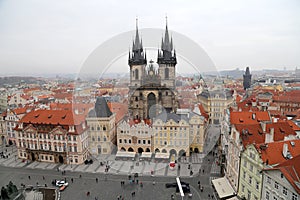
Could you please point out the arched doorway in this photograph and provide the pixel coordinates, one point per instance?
(32, 157)
(196, 150)
(3, 140)
(130, 149)
(164, 151)
(60, 159)
(123, 149)
(151, 99)
(182, 153)
(140, 150)
(147, 150)
(157, 150)
(173, 152)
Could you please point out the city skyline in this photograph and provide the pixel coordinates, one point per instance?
(41, 37)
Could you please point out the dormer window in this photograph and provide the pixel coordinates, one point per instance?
(71, 129)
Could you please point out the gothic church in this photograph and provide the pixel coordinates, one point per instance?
(152, 91)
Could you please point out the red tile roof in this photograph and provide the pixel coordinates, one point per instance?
(272, 152)
(253, 133)
(120, 109)
(55, 117)
(202, 111)
(246, 117)
(291, 171)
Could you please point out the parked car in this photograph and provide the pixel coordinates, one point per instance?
(169, 185)
(61, 183)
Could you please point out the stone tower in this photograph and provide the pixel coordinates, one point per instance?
(247, 79)
(166, 60)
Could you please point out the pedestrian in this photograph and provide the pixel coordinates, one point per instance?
(96, 180)
(43, 177)
(198, 182)
(203, 171)
(208, 195)
(172, 196)
(29, 177)
(79, 175)
(72, 180)
(137, 181)
(64, 172)
(88, 193)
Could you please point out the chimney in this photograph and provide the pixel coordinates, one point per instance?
(267, 138)
(263, 126)
(285, 150)
(253, 116)
(271, 135)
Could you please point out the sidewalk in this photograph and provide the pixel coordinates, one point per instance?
(143, 168)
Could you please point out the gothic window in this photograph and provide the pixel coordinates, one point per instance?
(136, 74)
(136, 99)
(166, 73)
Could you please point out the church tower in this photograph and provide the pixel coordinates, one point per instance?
(151, 91)
(137, 61)
(247, 79)
(166, 60)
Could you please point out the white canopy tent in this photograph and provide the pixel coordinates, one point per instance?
(223, 188)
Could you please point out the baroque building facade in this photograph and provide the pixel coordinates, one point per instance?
(55, 136)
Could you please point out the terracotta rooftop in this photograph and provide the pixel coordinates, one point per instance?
(271, 153)
(253, 133)
(291, 171)
(61, 117)
(120, 109)
(247, 117)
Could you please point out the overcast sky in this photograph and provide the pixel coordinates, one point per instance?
(46, 36)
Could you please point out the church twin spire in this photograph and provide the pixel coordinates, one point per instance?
(165, 56)
(137, 56)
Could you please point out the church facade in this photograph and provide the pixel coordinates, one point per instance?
(152, 90)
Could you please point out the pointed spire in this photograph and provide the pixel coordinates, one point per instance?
(167, 40)
(145, 55)
(137, 44)
(137, 54)
(165, 55)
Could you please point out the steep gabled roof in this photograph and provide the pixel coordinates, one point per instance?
(291, 171)
(272, 153)
(101, 109)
